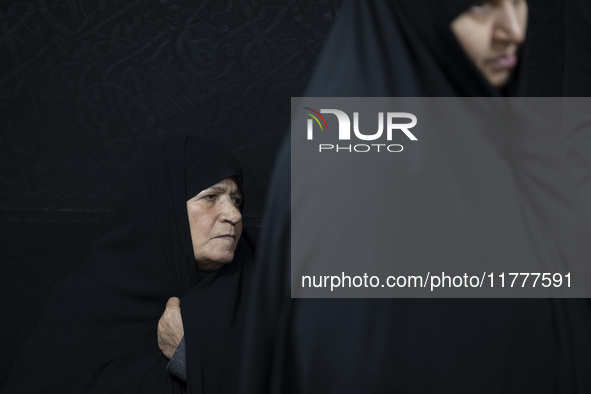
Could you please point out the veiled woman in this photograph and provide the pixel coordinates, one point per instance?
(178, 233)
(441, 48)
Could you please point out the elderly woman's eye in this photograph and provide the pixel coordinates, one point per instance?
(237, 201)
(211, 197)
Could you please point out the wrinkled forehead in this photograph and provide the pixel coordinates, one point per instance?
(228, 185)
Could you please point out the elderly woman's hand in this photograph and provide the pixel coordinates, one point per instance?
(170, 327)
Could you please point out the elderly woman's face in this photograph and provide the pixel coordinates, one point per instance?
(490, 32)
(216, 224)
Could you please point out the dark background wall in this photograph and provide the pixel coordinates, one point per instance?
(87, 86)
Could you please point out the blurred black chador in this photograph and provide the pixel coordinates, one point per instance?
(407, 48)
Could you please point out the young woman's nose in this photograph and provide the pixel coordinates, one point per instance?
(508, 26)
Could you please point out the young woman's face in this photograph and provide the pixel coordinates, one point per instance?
(491, 33)
(216, 224)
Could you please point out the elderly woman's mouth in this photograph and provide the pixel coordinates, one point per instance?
(227, 237)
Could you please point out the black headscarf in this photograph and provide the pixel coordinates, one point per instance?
(400, 48)
(406, 48)
(98, 333)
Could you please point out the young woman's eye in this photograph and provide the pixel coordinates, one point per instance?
(481, 7)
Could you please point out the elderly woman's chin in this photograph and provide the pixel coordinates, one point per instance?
(216, 258)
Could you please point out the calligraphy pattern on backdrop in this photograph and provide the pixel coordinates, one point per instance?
(87, 86)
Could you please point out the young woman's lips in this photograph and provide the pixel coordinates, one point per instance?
(506, 62)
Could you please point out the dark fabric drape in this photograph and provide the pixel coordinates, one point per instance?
(405, 48)
(98, 332)
(578, 48)
(577, 83)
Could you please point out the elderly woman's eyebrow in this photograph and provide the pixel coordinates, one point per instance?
(222, 189)
(219, 189)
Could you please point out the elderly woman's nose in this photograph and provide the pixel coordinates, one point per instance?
(230, 212)
(508, 23)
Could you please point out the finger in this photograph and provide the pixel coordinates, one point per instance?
(173, 302)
